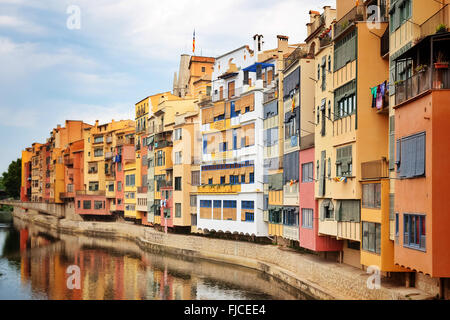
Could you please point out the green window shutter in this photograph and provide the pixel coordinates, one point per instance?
(329, 167)
(337, 211)
(391, 207)
(322, 174)
(391, 143)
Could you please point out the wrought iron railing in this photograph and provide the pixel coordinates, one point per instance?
(421, 82)
(355, 14)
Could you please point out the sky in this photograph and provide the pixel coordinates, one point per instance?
(54, 66)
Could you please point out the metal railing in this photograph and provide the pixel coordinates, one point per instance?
(224, 94)
(421, 82)
(91, 193)
(355, 14)
(325, 41)
(294, 56)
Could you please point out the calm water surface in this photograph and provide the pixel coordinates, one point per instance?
(34, 262)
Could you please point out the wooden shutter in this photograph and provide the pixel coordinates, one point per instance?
(322, 174)
(391, 142)
(231, 86)
(420, 155)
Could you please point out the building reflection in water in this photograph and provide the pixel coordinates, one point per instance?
(111, 271)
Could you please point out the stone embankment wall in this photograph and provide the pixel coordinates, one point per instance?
(311, 274)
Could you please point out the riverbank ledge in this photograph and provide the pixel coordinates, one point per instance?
(314, 276)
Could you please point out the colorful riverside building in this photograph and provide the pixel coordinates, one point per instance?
(351, 142)
(25, 186)
(97, 194)
(419, 138)
(230, 198)
(161, 158)
(273, 135)
(319, 46)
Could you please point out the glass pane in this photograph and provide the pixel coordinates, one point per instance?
(378, 238)
(371, 237)
(365, 236)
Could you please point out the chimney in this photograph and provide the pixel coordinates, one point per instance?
(283, 43)
(96, 123)
(258, 43)
(58, 126)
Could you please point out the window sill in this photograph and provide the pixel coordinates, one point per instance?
(368, 251)
(414, 248)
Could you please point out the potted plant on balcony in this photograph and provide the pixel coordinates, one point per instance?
(442, 28)
(441, 62)
(421, 68)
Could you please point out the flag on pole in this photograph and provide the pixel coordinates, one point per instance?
(193, 43)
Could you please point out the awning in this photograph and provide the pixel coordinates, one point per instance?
(263, 65)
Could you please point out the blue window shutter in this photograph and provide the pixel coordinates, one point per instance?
(420, 155)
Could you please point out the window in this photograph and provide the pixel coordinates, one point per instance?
(119, 167)
(177, 135)
(290, 217)
(371, 237)
(307, 218)
(222, 180)
(229, 204)
(130, 180)
(242, 178)
(247, 109)
(217, 204)
(93, 186)
(411, 156)
(119, 185)
(79, 204)
(203, 69)
(205, 203)
(178, 157)
(344, 161)
(86, 204)
(249, 205)
(307, 172)
(178, 183)
(98, 139)
(275, 216)
(160, 158)
(111, 187)
(397, 224)
(250, 216)
(195, 178)
(371, 197)
(193, 201)
(177, 210)
(223, 147)
(210, 181)
(234, 179)
(167, 213)
(98, 152)
(344, 51)
(414, 231)
(252, 177)
(98, 205)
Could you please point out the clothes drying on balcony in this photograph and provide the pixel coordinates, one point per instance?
(379, 95)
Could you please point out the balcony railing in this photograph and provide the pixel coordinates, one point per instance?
(374, 170)
(325, 41)
(91, 193)
(163, 144)
(270, 95)
(225, 94)
(441, 17)
(68, 161)
(421, 82)
(142, 189)
(355, 14)
(294, 56)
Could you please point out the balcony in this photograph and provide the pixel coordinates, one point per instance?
(325, 41)
(163, 144)
(225, 94)
(91, 193)
(297, 54)
(374, 170)
(354, 15)
(441, 17)
(142, 190)
(430, 78)
(270, 95)
(317, 24)
(109, 139)
(68, 161)
(109, 155)
(219, 188)
(66, 195)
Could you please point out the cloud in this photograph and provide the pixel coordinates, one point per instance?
(20, 25)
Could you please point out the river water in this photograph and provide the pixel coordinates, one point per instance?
(38, 264)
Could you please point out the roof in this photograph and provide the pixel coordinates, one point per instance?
(232, 51)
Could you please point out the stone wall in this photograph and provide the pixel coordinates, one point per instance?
(314, 276)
